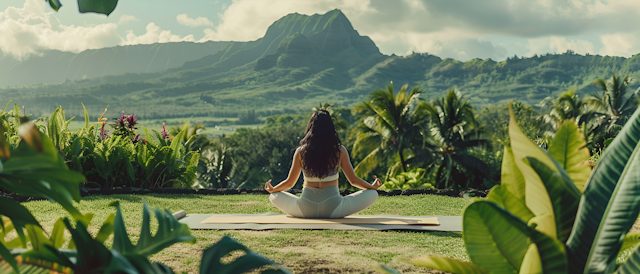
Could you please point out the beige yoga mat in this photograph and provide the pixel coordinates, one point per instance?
(284, 219)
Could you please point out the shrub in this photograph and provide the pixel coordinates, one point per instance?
(35, 168)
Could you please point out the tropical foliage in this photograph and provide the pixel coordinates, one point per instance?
(33, 168)
(455, 133)
(121, 160)
(391, 125)
(547, 217)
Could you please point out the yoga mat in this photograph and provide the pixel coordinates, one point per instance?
(447, 223)
(354, 219)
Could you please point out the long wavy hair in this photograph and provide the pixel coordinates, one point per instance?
(320, 147)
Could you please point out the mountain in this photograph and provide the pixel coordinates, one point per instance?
(305, 60)
(57, 66)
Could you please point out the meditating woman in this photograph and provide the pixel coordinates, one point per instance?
(319, 156)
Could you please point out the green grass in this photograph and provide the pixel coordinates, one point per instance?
(302, 251)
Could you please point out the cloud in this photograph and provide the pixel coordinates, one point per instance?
(34, 29)
(183, 19)
(155, 34)
(620, 44)
(559, 44)
(246, 20)
(31, 30)
(125, 18)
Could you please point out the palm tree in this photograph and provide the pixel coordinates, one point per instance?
(613, 106)
(455, 133)
(391, 125)
(567, 106)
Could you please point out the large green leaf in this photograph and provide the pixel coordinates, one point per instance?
(57, 235)
(512, 178)
(564, 196)
(170, 231)
(536, 197)
(106, 229)
(55, 4)
(211, 259)
(531, 263)
(98, 6)
(19, 216)
(569, 148)
(447, 264)
(31, 173)
(551, 251)
(92, 255)
(495, 239)
(610, 204)
(507, 200)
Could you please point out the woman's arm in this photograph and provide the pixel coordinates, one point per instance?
(294, 174)
(347, 169)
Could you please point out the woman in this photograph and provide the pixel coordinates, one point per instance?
(319, 156)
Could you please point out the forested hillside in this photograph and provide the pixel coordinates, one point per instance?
(305, 60)
(57, 66)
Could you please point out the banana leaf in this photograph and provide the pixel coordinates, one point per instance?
(536, 196)
(447, 264)
(610, 204)
(495, 239)
(569, 148)
(507, 200)
(512, 178)
(564, 196)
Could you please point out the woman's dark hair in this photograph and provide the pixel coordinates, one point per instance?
(320, 147)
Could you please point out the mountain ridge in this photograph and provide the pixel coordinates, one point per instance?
(304, 60)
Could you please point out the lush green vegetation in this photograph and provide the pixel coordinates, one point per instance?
(547, 217)
(414, 143)
(34, 167)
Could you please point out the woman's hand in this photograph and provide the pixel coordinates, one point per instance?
(376, 183)
(268, 187)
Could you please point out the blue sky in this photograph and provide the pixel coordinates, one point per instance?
(460, 29)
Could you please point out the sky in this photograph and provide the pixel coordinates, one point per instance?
(459, 29)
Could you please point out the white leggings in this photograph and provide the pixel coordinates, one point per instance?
(323, 203)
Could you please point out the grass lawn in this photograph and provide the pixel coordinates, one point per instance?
(301, 251)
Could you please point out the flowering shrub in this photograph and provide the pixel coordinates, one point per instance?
(124, 159)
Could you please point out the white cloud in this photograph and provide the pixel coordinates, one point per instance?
(559, 44)
(246, 20)
(125, 18)
(620, 44)
(31, 29)
(155, 34)
(183, 19)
